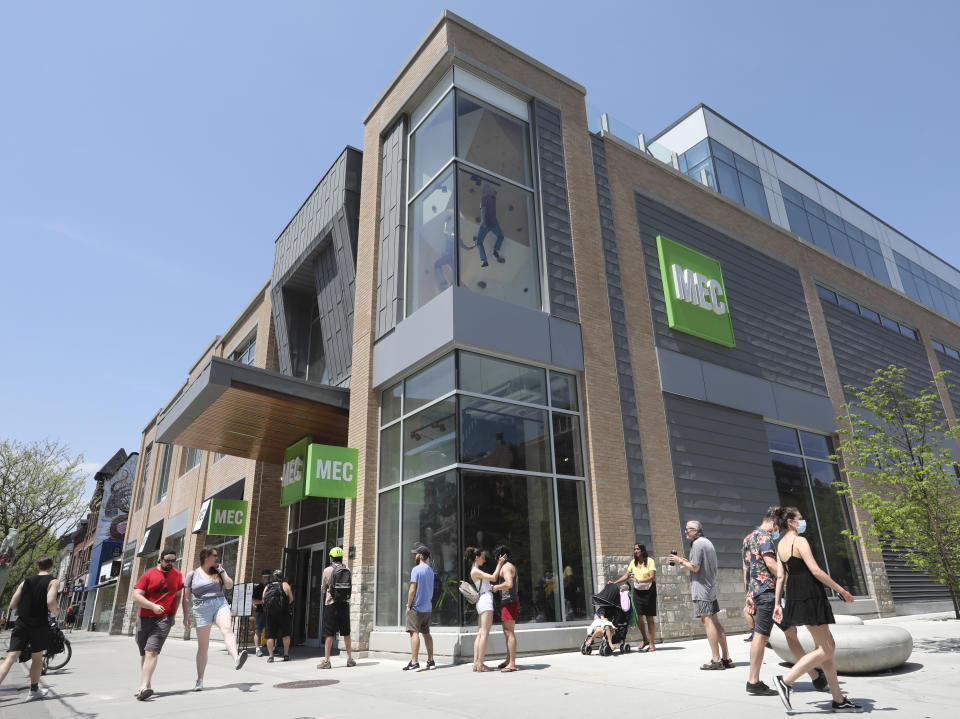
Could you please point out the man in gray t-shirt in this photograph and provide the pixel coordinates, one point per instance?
(703, 589)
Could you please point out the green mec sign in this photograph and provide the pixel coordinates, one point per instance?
(694, 293)
(318, 470)
(227, 516)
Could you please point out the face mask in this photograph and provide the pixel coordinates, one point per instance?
(801, 526)
(776, 535)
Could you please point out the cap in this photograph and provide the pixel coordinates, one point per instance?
(336, 552)
(422, 549)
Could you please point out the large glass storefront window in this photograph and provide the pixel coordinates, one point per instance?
(805, 476)
(482, 466)
(471, 215)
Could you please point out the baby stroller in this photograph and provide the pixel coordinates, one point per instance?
(608, 602)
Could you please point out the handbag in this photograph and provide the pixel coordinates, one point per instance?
(642, 586)
(469, 591)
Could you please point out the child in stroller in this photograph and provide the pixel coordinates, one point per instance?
(612, 619)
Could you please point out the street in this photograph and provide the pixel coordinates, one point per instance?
(101, 678)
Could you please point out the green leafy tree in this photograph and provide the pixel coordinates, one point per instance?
(41, 493)
(896, 445)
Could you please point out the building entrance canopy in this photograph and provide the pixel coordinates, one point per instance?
(245, 411)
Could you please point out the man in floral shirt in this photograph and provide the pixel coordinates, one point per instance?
(760, 578)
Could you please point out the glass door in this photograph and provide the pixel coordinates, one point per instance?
(314, 599)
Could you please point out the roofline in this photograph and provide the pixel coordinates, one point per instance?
(806, 172)
(449, 16)
(247, 311)
(203, 354)
(310, 194)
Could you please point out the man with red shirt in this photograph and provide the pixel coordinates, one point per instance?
(158, 593)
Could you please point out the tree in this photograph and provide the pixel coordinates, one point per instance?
(897, 446)
(41, 490)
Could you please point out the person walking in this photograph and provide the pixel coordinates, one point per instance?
(205, 585)
(35, 596)
(644, 584)
(703, 590)
(277, 607)
(336, 587)
(475, 559)
(759, 576)
(802, 584)
(509, 606)
(419, 607)
(157, 593)
(260, 617)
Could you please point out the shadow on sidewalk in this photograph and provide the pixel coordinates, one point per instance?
(242, 686)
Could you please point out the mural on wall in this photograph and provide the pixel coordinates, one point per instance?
(115, 505)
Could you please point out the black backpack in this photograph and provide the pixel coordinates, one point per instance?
(274, 598)
(341, 583)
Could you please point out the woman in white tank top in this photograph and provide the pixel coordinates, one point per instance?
(475, 559)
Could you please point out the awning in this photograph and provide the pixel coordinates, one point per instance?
(250, 412)
(151, 539)
(233, 491)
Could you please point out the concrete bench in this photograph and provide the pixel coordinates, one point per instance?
(861, 648)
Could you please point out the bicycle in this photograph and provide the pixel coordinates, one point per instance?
(60, 652)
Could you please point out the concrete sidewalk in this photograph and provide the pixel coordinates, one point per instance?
(103, 674)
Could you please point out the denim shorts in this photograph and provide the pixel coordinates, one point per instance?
(206, 611)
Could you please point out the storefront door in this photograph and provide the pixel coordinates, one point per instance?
(313, 616)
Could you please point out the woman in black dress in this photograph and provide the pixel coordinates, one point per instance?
(802, 584)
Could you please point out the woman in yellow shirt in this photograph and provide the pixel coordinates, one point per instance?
(642, 573)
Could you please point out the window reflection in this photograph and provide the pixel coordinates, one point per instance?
(388, 570)
(429, 383)
(501, 378)
(498, 434)
(431, 262)
(492, 139)
(577, 576)
(566, 444)
(429, 439)
(431, 146)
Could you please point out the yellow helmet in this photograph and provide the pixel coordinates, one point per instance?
(336, 552)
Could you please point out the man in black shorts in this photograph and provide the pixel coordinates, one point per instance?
(336, 609)
(277, 606)
(760, 578)
(34, 597)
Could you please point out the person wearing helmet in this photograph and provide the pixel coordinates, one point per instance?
(336, 587)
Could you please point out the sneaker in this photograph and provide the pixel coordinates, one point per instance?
(749, 637)
(325, 664)
(241, 659)
(411, 665)
(820, 683)
(484, 263)
(783, 690)
(351, 662)
(760, 689)
(845, 706)
(198, 687)
(286, 657)
(259, 652)
(41, 692)
(497, 255)
(431, 664)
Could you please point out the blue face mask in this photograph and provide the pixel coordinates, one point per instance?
(776, 535)
(801, 526)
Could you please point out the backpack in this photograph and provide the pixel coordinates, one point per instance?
(274, 598)
(341, 584)
(469, 591)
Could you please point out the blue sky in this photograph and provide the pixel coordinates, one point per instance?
(150, 153)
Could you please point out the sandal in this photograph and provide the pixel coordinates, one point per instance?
(351, 662)
(484, 668)
(506, 670)
(712, 665)
(728, 663)
(144, 694)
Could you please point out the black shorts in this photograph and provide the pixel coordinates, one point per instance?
(278, 625)
(645, 601)
(38, 639)
(763, 617)
(336, 620)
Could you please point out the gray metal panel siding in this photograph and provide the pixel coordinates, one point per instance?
(722, 470)
(861, 347)
(561, 280)
(280, 331)
(909, 585)
(621, 347)
(393, 194)
(952, 379)
(335, 278)
(770, 321)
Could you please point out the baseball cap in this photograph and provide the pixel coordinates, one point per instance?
(422, 549)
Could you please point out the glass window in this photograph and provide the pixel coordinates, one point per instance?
(848, 304)
(816, 445)
(492, 139)
(870, 241)
(390, 455)
(707, 166)
(797, 218)
(908, 332)
(391, 403)
(163, 478)
(429, 439)
(841, 245)
(814, 208)
(951, 352)
(729, 182)
(144, 475)
(316, 359)
(388, 568)
(790, 194)
(826, 294)
(498, 434)
(431, 146)
(783, 439)
(869, 314)
(519, 512)
(430, 383)
(563, 391)
(501, 378)
(314, 510)
(430, 516)
(889, 323)
(860, 257)
(747, 168)
(722, 152)
(575, 548)
(792, 491)
(821, 234)
(498, 245)
(698, 153)
(833, 219)
(938, 347)
(754, 198)
(909, 284)
(567, 452)
(191, 458)
(431, 264)
(833, 518)
(878, 266)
